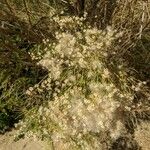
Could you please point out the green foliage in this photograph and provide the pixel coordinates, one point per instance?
(16, 75)
(4, 121)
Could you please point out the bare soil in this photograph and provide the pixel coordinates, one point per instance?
(7, 143)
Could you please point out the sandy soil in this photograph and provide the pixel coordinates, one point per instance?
(7, 143)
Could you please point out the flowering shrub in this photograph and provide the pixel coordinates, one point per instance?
(82, 102)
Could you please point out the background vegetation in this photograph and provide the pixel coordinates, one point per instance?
(28, 31)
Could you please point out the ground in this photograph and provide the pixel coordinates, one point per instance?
(7, 143)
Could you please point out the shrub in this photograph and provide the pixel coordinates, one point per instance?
(81, 102)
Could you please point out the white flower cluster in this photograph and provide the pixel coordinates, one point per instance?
(84, 49)
(71, 53)
(75, 113)
(73, 116)
(83, 101)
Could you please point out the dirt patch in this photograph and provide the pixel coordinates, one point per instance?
(7, 143)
